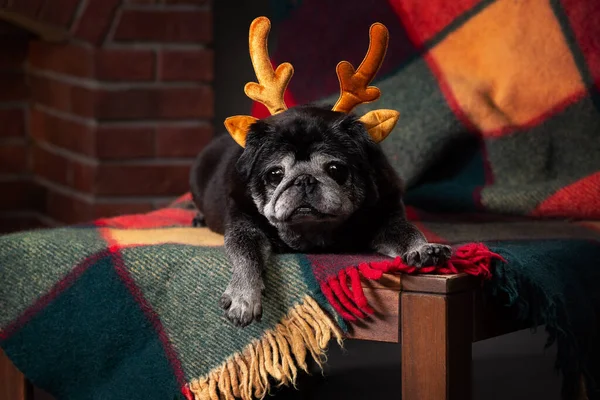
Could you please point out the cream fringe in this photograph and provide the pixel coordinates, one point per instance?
(278, 355)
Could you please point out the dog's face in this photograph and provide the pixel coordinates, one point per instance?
(308, 166)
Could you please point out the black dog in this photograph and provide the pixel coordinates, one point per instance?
(308, 180)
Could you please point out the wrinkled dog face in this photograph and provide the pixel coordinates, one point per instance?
(319, 189)
(308, 166)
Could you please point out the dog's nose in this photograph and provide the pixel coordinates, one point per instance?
(305, 180)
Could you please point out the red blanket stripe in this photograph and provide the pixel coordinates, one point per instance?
(333, 300)
(359, 294)
(335, 284)
(473, 259)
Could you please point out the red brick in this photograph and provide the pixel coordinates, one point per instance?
(50, 93)
(71, 59)
(116, 209)
(13, 158)
(142, 180)
(82, 176)
(167, 102)
(164, 26)
(63, 170)
(130, 65)
(67, 58)
(124, 142)
(12, 121)
(95, 20)
(14, 52)
(181, 65)
(182, 141)
(70, 135)
(50, 166)
(123, 104)
(82, 101)
(59, 14)
(62, 96)
(67, 209)
(13, 87)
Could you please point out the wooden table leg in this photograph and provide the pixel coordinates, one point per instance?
(13, 385)
(436, 333)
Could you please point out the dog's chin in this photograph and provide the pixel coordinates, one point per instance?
(306, 214)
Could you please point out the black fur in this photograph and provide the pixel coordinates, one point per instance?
(230, 188)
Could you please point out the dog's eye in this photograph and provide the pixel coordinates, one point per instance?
(338, 172)
(274, 176)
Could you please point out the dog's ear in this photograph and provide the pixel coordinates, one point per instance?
(254, 139)
(379, 123)
(238, 127)
(246, 162)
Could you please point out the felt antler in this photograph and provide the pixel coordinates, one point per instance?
(354, 83)
(355, 89)
(271, 83)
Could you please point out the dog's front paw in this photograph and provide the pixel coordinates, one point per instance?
(242, 306)
(427, 255)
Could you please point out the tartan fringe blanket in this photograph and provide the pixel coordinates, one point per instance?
(345, 293)
(307, 330)
(276, 356)
(127, 305)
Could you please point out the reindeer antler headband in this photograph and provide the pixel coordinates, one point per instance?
(354, 84)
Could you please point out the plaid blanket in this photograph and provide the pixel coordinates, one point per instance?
(498, 100)
(499, 114)
(126, 307)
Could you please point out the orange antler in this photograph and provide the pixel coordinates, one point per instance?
(354, 89)
(353, 84)
(271, 83)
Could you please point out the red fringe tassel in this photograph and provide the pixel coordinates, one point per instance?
(346, 295)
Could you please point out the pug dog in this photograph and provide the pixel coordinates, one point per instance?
(309, 179)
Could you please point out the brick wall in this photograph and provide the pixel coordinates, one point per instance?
(116, 112)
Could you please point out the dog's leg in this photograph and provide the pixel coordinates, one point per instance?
(248, 250)
(401, 238)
